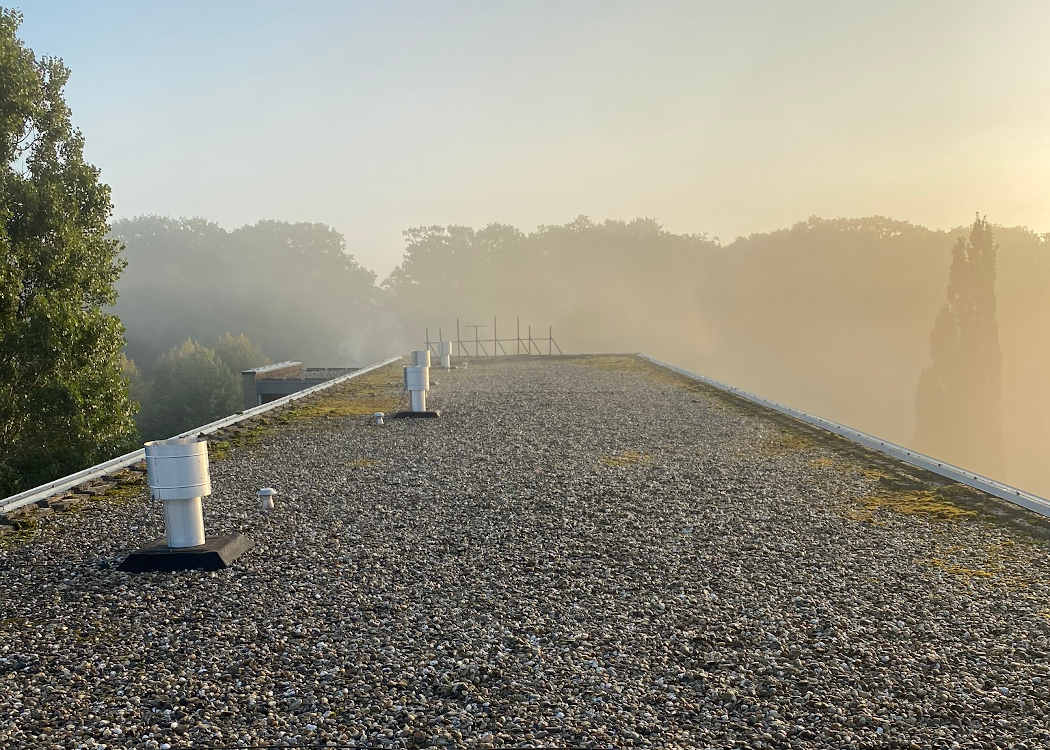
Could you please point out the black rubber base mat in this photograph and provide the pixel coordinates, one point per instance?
(215, 554)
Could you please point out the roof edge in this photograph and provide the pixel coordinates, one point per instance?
(994, 487)
(49, 489)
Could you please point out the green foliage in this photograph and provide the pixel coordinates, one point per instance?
(134, 379)
(63, 399)
(191, 386)
(239, 353)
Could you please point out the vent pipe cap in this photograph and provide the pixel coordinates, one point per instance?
(177, 469)
(266, 497)
(421, 358)
(417, 378)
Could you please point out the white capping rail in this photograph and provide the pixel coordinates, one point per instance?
(44, 491)
(978, 481)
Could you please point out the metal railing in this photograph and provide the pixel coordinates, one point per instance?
(994, 487)
(526, 344)
(49, 489)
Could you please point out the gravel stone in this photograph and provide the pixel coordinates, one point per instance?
(572, 555)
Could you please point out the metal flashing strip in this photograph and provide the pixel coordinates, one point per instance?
(30, 496)
(1006, 492)
(262, 370)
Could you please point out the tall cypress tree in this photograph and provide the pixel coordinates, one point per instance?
(959, 404)
(63, 400)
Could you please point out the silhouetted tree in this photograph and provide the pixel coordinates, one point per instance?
(63, 399)
(959, 404)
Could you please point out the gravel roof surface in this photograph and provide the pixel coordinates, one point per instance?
(580, 552)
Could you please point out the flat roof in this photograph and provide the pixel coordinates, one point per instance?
(581, 551)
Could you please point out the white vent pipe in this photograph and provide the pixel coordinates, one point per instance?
(178, 475)
(417, 383)
(445, 350)
(266, 498)
(421, 358)
(377, 418)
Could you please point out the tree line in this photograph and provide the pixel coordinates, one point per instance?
(112, 334)
(847, 318)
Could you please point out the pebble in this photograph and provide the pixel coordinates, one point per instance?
(570, 556)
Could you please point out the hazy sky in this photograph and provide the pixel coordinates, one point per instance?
(724, 117)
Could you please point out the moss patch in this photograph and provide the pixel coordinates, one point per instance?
(28, 528)
(782, 443)
(633, 364)
(124, 494)
(873, 473)
(627, 458)
(959, 570)
(379, 390)
(220, 450)
(932, 503)
(1006, 563)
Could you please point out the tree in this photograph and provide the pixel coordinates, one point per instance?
(298, 293)
(64, 403)
(239, 353)
(191, 386)
(959, 404)
(601, 286)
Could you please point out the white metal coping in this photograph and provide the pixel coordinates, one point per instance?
(986, 484)
(29, 496)
(262, 370)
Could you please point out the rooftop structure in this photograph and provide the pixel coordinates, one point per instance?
(261, 385)
(581, 551)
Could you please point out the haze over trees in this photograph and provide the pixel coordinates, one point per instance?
(192, 384)
(609, 286)
(831, 315)
(290, 288)
(959, 402)
(63, 399)
(291, 291)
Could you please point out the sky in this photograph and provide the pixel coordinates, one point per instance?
(717, 118)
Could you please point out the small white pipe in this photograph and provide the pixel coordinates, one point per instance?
(417, 383)
(421, 358)
(266, 498)
(183, 523)
(377, 418)
(445, 348)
